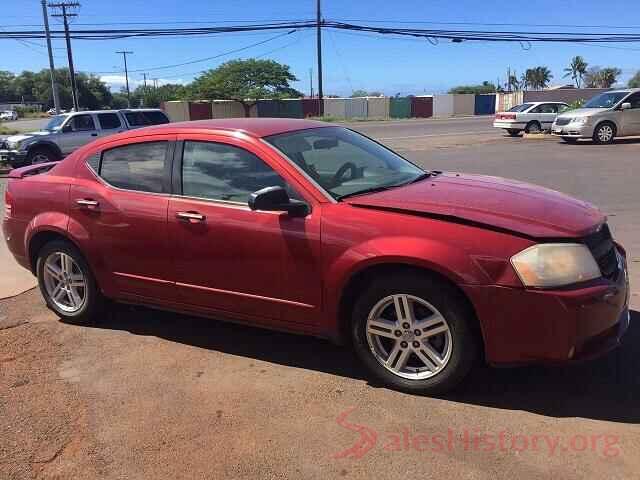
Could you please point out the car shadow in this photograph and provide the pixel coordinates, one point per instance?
(617, 141)
(603, 389)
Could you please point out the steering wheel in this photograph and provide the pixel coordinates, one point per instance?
(349, 166)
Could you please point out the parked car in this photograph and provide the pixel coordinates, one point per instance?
(8, 115)
(52, 111)
(311, 228)
(530, 117)
(65, 133)
(611, 114)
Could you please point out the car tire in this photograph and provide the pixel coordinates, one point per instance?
(409, 358)
(533, 127)
(513, 133)
(604, 133)
(570, 140)
(39, 155)
(67, 284)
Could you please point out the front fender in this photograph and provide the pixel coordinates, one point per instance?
(46, 143)
(448, 260)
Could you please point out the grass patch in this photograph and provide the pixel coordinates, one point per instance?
(8, 131)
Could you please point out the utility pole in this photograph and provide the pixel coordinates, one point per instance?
(72, 73)
(155, 83)
(144, 75)
(311, 83)
(52, 68)
(319, 49)
(126, 74)
(144, 89)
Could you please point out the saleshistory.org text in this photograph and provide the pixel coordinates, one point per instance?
(472, 440)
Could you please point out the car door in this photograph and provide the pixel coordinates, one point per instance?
(261, 266)
(545, 113)
(110, 123)
(119, 210)
(631, 116)
(77, 131)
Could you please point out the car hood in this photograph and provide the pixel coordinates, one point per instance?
(24, 136)
(581, 112)
(495, 202)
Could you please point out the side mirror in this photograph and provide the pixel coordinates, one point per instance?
(276, 199)
(625, 106)
(67, 128)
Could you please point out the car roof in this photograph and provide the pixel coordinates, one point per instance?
(255, 127)
(624, 90)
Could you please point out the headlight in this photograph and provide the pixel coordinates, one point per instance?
(555, 265)
(13, 145)
(580, 120)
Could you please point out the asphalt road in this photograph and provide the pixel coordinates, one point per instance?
(146, 394)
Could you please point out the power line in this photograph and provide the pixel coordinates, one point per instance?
(190, 62)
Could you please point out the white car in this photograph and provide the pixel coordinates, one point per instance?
(530, 117)
(8, 115)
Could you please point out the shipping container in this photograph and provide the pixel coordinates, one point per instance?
(422, 107)
(200, 110)
(310, 107)
(356, 108)
(335, 107)
(400, 107)
(463, 104)
(377, 107)
(485, 104)
(177, 111)
(442, 105)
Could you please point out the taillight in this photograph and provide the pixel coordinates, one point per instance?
(8, 204)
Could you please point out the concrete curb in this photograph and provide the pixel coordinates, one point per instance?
(539, 136)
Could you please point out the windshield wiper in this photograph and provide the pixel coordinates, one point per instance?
(366, 190)
(419, 178)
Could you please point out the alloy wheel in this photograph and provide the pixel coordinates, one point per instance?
(409, 337)
(605, 133)
(64, 282)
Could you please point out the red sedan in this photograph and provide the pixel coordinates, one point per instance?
(312, 228)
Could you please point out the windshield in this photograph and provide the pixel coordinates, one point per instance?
(344, 162)
(55, 122)
(605, 100)
(520, 108)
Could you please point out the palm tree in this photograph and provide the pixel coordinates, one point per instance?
(543, 77)
(576, 70)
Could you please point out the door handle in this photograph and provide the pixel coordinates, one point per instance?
(85, 202)
(94, 134)
(191, 217)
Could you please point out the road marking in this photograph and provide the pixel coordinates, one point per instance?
(437, 135)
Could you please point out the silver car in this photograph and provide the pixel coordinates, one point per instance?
(604, 117)
(530, 117)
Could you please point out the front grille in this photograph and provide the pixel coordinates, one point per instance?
(602, 248)
(563, 121)
(3, 145)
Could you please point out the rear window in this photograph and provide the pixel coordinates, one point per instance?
(139, 167)
(143, 119)
(520, 108)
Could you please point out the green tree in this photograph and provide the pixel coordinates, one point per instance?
(634, 82)
(597, 77)
(537, 78)
(576, 70)
(153, 97)
(246, 81)
(364, 93)
(484, 87)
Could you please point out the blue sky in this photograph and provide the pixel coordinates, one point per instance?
(352, 60)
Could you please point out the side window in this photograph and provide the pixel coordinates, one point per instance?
(562, 108)
(223, 172)
(140, 166)
(109, 120)
(94, 162)
(545, 108)
(81, 123)
(156, 117)
(634, 100)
